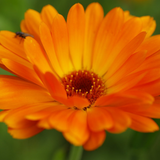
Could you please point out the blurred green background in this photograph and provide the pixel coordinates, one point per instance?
(50, 144)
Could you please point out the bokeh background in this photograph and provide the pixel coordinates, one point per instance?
(50, 144)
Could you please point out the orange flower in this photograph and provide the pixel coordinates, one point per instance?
(81, 76)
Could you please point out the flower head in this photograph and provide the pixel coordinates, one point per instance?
(81, 76)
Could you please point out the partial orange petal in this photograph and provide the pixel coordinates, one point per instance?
(150, 44)
(151, 62)
(142, 124)
(48, 45)
(27, 93)
(18, 122)
(11, 42)
(127, 15)
(135, 107)
(127, 82)
(76, 30)
(149, 25)
(153, 111)
(121, 120)
(32, 22)
(125, 98)
(5, 68)
(22, 71)
(41, 111)
(47, 14)
(98, 119)
(36, 55)
(124, 54)
(78, 132)
(106, 37)
(126, 37)
(61, 119)
(133, 62)
(77, 101)
(20, 117)
(95, 140)
(94, 16)
(152, 88)
(44, 124)
(55, 87)
(3, 114)
(5, 53)
(24, 27)
(25, 132)
(61, 42)
(151, 75)
(128, 31)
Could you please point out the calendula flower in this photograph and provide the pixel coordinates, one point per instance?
(82, 76)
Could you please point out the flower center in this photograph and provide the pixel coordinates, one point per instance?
(84, 83)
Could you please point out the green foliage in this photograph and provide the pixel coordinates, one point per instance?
(50, 144)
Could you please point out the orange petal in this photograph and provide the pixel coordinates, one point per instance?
(76, 30)
(126, 37)
(32, 22)
(41, 111)
(121, 120)
(127, 82)
(47, 14)
(36, 55)
(124, 54)
(153, 111)
(94, 16)
(20, 117)
(60, 40)
(128, 31)
(98, 119)
(127, 16)
(150, 44)
(44, 124)
(152, 88)
(22, 71)
(5, 53)
(151, 75)
(135, 107)
(149, 25)
(25, 132)
(20, 123)
(78, 132)
(61, 120)
(27, 93)
(24, 27)
(77, 101)
(48, 45)
(133, 62)
(106, 36)
(95, 140)
(3, 114)
(55, 87)
(142, 124)
(125, 98)
(150, 62)
(5, 68)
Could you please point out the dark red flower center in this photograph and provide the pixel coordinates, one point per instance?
(84, 83)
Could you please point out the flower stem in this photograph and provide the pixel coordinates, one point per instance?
(75, 153)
